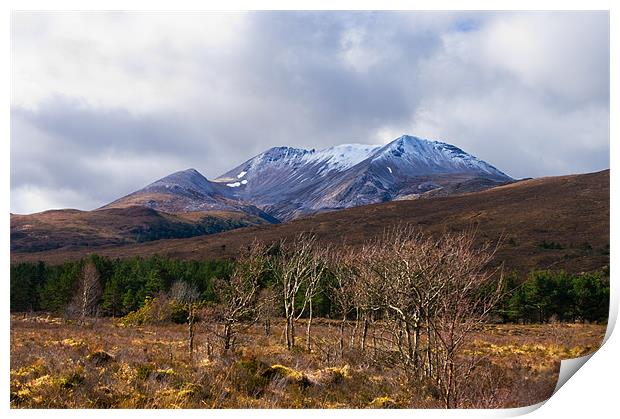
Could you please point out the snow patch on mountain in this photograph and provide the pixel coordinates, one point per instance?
(341, 157)
(337, 158)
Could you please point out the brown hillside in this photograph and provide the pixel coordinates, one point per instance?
(70, 228)
(554, 222)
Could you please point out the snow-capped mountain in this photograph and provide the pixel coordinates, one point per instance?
(288, 182)
(279, 184)
(283, 183)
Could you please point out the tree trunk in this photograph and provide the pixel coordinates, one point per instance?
(450, 384)
(364, 333)
(357, 320)
(374, 337)
(429, 368)
(267, 326)
(290, 332)
(287, 333)
(410, 343)
(416, 346)
(227, 335)
(341, 341)
(190, 340)
(309, 325)
(287, 325)
(374, 342)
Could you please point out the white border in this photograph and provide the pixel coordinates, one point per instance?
(592, 393)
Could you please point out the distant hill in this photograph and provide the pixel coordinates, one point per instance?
(70, 228)
(555, 222)
(188, 191)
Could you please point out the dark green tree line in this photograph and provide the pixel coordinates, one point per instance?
(125, 282)
(542, 296)
(557, 295)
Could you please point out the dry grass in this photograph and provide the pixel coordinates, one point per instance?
(55, 364)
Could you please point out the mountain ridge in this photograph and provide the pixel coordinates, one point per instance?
(290, 182)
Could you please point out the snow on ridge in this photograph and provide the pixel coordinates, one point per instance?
(434, 153)
(408, 150)
(341, 157)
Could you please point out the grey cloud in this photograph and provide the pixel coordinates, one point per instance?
(306, 79)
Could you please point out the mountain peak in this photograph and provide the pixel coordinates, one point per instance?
(284, 151)
(188, 180)
(421, 156)
(411, 139)
(408, 137)
(190, 171)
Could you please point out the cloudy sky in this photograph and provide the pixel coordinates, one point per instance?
(105, 103)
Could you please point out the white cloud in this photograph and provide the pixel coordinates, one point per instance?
(28, 199)
(356, 53)
(527, 92)
(105, 102)
(142, 61)
(564, 54)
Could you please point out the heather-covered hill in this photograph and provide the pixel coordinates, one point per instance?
(555, 222)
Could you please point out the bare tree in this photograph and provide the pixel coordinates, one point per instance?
(370, 289)
(85, 302)
(298, 267)
(405, 264)
(184, 292)
(267, 300)
(470, 291)
(188, 295)
(239, 296)
(341, 266)
(438, 287)
(313, 279)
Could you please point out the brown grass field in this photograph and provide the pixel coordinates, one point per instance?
(60, 364)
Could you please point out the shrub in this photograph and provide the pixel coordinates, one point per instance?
(249, 377)
(160, 309)
(550, 245)
(71, 381)
(99, 357)
(383, 403)
(292, 376)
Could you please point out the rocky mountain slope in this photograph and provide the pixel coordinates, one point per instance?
(188, 191)
(288, 182)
